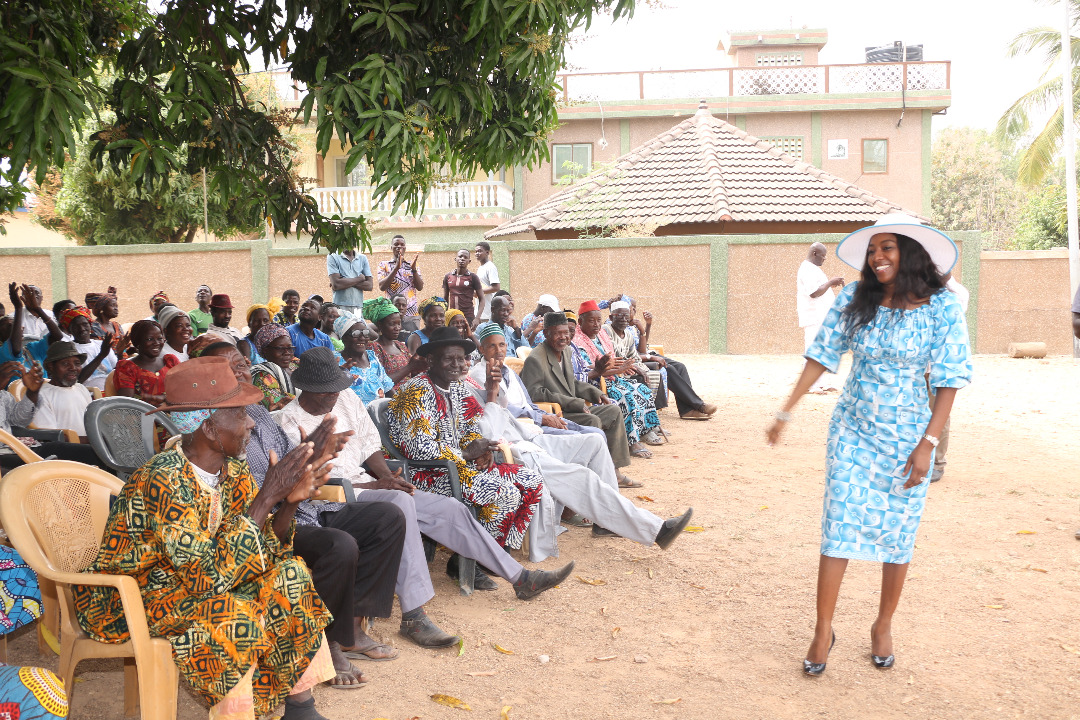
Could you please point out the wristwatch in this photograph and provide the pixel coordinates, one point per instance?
(931, 439)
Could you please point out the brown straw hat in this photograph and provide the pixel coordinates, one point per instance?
(206, 383)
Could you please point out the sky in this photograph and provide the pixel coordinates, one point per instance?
(973, 35)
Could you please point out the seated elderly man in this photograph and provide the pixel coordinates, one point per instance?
(61, 402)
(548, 375)
(213, 556)
(325, 389)
(353, 573)
(577, 468)
(433, 416)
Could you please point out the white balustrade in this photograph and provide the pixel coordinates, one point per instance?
(441, 199)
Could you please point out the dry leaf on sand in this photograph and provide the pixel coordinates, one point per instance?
(483, 673)
(501, 649)
(450, 701)
(587, 581)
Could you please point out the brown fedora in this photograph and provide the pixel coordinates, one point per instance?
(206, 383)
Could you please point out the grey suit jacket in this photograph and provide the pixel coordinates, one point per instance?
(548, 382)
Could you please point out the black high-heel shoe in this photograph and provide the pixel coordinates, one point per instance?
(883, 662)
(816, 669)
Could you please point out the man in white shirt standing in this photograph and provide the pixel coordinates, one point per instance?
(489, 279)
(813, 298)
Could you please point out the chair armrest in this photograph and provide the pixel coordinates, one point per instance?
(70, 436)
(43, 434)
(27, 455)
(551, 408)
(448, 465)
(344, 490)
(330, 493)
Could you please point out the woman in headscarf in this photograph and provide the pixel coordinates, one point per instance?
(106, 309)
(392, 354)
(456, 319)
(257, 317)
(272, 375)
(156, 301)
(433, 313)
(176, 325)
(634, 399)
(100, 359)
(370, 381)
(143, 375)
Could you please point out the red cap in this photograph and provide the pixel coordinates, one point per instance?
(587, 306)
(221, 301)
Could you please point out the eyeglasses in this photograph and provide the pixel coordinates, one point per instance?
(282, 348)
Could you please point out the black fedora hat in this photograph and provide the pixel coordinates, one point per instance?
(319, 372)
(440, 338)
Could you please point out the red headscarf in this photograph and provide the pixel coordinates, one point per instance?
(68, 316)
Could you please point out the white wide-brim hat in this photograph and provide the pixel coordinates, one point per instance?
(852, 249)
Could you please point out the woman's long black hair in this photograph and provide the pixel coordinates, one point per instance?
(916, 278)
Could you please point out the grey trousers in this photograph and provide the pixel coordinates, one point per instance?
(579, 474)
(447, 522)
(610, 418)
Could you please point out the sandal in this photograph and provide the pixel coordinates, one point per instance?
(625, 482)
(577, 520)
(339, 681)
(382, 652)
(638, 451)
(653, 437)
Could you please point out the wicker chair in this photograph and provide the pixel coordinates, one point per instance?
(54, 512)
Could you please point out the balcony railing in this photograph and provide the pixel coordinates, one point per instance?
(442, 200)
(744, 81)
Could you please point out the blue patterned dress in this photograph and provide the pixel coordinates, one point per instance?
(880, 417)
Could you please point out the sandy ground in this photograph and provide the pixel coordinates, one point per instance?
(987, 626)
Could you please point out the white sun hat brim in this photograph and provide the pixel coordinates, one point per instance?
(852, 249)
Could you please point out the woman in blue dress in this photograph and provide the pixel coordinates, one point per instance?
(898, 321)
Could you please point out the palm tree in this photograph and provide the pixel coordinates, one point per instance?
(1037, 160)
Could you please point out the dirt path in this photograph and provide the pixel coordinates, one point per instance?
(987, 626)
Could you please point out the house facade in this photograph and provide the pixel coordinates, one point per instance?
(866, 123)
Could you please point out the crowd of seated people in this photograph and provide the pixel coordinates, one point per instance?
(497, 460)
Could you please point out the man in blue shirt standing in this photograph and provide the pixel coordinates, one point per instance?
(350, 276)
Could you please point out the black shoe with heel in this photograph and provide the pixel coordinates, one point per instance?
(816, 669)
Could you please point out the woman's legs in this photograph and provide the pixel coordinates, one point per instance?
(892, 583)
(830, 575)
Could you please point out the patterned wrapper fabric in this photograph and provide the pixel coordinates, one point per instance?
(226, 594)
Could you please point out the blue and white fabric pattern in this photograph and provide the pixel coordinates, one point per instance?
(880, 417)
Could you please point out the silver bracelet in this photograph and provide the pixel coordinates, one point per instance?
(931, 439)
(783, 416)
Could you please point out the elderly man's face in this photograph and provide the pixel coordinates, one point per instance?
(558, 337)
(315, 403)
(493, 348)
(240, 365)
(620, 319)
(817, 254)
(65, 372)
(447, 365)
(401, 303)
(591, 322)
(232, 427)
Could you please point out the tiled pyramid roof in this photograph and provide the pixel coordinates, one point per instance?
(703, 170)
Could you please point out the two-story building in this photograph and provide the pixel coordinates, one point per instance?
(866, 123)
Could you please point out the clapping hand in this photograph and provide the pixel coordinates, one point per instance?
(293, 478)
(33, 378)
(13, 295)
(325, 442)
(106, 346)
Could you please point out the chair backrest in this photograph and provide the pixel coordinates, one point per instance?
(55, 512)
(377, 409)
(121, 432)
(515, 364)
(110, 384)
(523, 352)
(17, 389)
